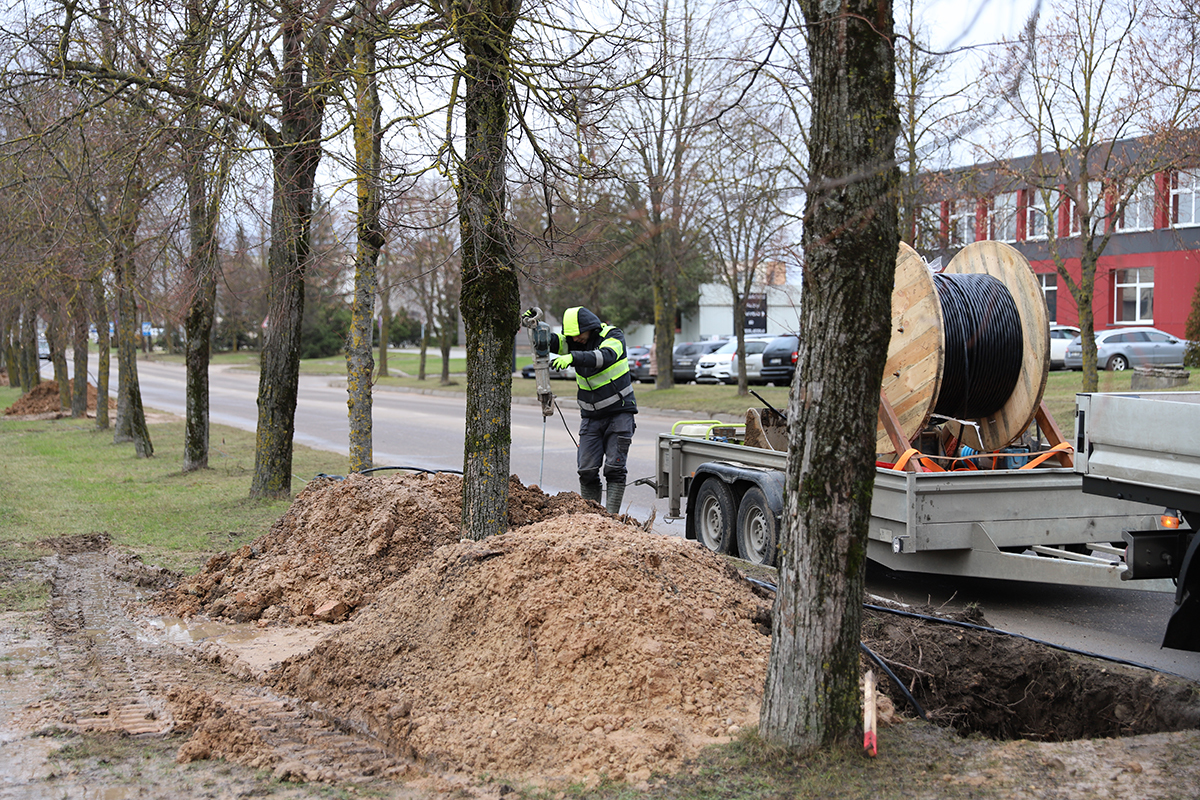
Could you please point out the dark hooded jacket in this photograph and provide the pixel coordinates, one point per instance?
(601, 364)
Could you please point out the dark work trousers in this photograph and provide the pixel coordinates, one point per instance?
(604, 441)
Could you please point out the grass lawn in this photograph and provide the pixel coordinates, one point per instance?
(65, 478)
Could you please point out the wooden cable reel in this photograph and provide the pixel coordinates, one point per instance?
(915, 371)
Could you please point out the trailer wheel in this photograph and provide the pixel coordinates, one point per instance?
(715, 515)
(757, 530)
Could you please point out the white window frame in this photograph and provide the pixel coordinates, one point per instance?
(1049, 283)
(1035, 208)
(1138, 214)
(1002, 221)
(1094, 202)
(962, 221)
(1139, 281)
(1185, 198)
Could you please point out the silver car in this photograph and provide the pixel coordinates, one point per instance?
(1121, 348)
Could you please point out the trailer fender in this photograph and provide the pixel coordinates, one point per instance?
(736, 479)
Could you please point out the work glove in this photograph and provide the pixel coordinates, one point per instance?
(560, 363)
(530, 313)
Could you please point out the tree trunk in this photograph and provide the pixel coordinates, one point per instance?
(490, 295)
(367, 132)
(103, 350)
(202, 265)
(79, 347)
(31, 374)
(131, 417)
(296, 159)
(850, 243)
(201, 276)
(385, 333)
(56, 338)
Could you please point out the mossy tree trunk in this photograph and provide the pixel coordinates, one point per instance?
(850, 243)
(367, 145)
(79, 347)
(490, 294)
(296, 156)
(30, 373)
(56, 337)
(131, 417)
(103, 351)
(202, 264)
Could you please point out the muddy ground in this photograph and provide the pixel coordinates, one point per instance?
(361, 644)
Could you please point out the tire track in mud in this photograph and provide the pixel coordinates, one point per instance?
(119, 675)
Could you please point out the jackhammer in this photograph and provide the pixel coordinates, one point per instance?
(539, 340)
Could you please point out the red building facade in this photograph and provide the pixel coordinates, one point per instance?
(1149, 269)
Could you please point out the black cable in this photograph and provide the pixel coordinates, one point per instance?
(984, 345)
(895, 679)
(985, 629)
(565, 426)
(377, 469)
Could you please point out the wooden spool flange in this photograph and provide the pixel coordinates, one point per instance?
(916, 355)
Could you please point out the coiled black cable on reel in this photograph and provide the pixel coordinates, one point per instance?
(970, 344)
(983, 345)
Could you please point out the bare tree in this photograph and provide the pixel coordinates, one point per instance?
(1077, 108)
(746, 223)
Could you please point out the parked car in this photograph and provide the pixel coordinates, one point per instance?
(686, 354)
(641, 364)
(718, 366)
(1060, 337)
(1121, 348)
(555, 374)
(779, 359)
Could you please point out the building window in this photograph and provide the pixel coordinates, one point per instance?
(1003, 219)
(1037, 219)
(1139, 209)
(928, 235)
(1185, 198)
(1049, 282)
(962, 222)
(1135, 295)
(1094, 208)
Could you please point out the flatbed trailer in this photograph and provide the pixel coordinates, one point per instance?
(1012, 524)
(1145, 448)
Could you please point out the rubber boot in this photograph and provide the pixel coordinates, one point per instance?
(590, 490)
(616, 492)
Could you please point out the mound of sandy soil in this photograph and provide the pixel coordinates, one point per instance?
(340, 542)
(44, 399)
(574, 647)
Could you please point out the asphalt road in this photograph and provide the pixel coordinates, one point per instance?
(426, 431)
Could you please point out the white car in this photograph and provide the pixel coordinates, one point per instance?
(719, 366)
(1060, 337)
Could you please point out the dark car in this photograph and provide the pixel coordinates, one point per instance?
(779, 359)
(641, 364)
(686, 354)
(529, 370)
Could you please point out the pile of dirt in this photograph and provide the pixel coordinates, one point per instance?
(44, 399)
(575, 647)
(340, 542)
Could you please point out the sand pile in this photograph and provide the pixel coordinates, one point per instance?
(44, 399)
(340, 542)
(578, 646)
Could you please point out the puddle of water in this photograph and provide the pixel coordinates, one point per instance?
(25, 681)
(259, 648)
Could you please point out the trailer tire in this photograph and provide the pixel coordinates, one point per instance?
(714, 515)
(757, 529)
